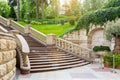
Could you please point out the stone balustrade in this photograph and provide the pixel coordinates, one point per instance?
(74, 49)
(7, 57)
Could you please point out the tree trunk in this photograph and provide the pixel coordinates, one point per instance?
(43, 6)
(18, 10)
(37, 9)
(117, 45)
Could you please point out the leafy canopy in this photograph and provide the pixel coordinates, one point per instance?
(109, 12)
(112, 29)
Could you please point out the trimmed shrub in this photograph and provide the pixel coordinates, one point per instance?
(109, 59)
(72, 22)
(101, 48)
(35, 22)
(62, 22)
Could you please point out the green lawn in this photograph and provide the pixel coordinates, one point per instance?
(57, 29)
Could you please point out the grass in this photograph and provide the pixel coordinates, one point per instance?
(57, 29)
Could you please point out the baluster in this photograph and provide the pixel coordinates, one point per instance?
(59, 42)
(72, 48)
(65, 45)
(24, 59)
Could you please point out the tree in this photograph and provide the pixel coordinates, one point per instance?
(91, 5)
(55, 7)
(12, 13)
(43, 5)
(112, 30)
(74, 7)
(12, 4)
(18, 5)
(37, 9)
(23, 8)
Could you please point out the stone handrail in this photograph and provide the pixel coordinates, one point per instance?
(3, 29)
(17, 26)
(23, 51)
(38, 35)
(3, 20)
(73, 48)
(21, 28)
(63, 44)
(25, 47)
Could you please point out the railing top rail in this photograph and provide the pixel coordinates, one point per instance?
(25, 47)
(3, 29)
(3, 18)
(17, 23)
(38, 32)
(74, 44)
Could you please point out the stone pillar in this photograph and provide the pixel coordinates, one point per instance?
(27, 29)
(7, 57)
(51, 39)
(9, 22)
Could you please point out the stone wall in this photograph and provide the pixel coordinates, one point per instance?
(7, 57)
(95, 37)
(78, 37)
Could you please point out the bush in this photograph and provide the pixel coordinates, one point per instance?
(109, 58)
(4, 9)
(35, 22)
(101, 48)
(62, 22)
(72, 22)
(27, 21)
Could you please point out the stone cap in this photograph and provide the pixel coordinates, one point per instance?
(14, 31)
(6, 34)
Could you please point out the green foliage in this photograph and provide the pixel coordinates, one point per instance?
(109, 58)
(4, 9)
(112, 29)
(98, 17)
(112, 3)
(35, 22)
(101, 48)
(92, 5)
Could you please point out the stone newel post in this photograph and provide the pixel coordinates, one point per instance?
(9, 22)
(51, 39)
(27, 28)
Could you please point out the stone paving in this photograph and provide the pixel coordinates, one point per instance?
(88, 72)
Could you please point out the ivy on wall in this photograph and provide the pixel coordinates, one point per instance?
(98, 17)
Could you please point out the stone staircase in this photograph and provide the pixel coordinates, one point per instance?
(44, 58)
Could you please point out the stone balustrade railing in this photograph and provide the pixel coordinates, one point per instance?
(38, 35)
(23, 51)
(3, 20)
(73, 48)
(52, 40)
(7, 57)
(17, 26)
(26, 29)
